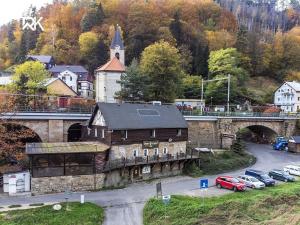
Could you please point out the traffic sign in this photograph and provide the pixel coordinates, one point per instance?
(203, 183)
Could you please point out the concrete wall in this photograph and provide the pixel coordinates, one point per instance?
(62, 183)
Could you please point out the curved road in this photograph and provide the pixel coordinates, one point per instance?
(125, 206)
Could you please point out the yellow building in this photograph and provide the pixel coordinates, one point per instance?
(57, 87)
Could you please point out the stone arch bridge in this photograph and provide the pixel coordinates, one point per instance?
(204, 131)
(219, 132)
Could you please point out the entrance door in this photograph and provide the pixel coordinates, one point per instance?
(63, 102)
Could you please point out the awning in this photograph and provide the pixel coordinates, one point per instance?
(65, 147)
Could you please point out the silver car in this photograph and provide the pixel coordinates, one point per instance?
(251, 182)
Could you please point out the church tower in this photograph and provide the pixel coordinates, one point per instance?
(117, 46)
(109, 74)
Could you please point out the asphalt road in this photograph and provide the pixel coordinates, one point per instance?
(125, 206)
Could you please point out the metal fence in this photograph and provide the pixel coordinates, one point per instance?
(239, 114)
(125, 162)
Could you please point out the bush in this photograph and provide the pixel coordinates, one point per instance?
(192, 169)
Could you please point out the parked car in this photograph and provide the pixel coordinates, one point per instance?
(261, 176)
(293, 170)
(230, 183)
(251, 182)
(281, 175)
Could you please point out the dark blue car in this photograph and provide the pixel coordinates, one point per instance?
(281, 175)
(260, 175)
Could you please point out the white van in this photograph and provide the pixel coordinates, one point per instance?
(293, 170)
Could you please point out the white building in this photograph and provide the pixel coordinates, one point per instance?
(109, 75)
(287, 97)
(76, 77)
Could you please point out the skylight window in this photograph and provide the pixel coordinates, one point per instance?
(147, 112)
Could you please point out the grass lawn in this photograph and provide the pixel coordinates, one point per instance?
(277, 205)
(81, 214)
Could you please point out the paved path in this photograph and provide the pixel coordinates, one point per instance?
(125, 206)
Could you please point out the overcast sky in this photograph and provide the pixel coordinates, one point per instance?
(13, 9)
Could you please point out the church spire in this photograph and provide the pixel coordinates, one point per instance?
(117, 40)
(117, 47)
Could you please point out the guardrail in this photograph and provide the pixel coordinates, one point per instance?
(240, 114)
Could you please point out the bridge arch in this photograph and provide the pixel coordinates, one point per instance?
(74, 132)
(260, 133)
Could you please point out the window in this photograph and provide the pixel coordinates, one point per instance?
(153, 133)
(179, 132)
(64, 78)
(156, 151)
(124, 134)
(298, 98)
(165, 150)
(70, 78)
(89, 131)
(279, 99)
(145, 152)
(103, 134)
(96, 132)
(135, 153)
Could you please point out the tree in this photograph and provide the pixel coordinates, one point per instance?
(133, 83)
(93, 51)
(176, 27)
(192, 87)
(28, 78)
(161, 63)
(222, 63)
(12, 137)
(93, 17)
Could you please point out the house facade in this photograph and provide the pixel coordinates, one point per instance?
(287, 97)
(155, 136)
(109, 75)
(76, 77)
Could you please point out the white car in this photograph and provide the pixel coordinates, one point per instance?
(293, 170)
(251, 182)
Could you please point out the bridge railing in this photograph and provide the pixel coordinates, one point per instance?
(45, 104)
(239, 114)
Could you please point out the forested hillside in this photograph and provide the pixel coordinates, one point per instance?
(262, 35)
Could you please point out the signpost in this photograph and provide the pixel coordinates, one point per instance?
(203, 187)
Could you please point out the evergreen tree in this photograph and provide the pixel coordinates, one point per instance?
(93, 17)
(242, 41)
(133, 83)
(176, 28)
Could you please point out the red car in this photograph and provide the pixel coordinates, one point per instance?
(230, 183)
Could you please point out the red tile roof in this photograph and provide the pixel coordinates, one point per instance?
(113, 65)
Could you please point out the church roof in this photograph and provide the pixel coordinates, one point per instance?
(113, 65)
(117, 40)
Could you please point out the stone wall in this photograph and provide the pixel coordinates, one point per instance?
(119, 151)
(61, 183)
(203, 133)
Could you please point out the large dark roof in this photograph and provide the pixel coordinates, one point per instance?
(72, 68)
(117, 40)
(41, 58)
(139, 116)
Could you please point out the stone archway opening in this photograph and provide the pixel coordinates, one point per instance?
(74, 132)
(257, 134)
(13, 139)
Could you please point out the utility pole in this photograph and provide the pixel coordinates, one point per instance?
(228, 95)
(202, 96)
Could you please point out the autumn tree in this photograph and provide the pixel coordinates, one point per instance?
(92, 50)
(29, 78)
(165, 75)
(93, 17)
(192, 87)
